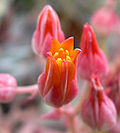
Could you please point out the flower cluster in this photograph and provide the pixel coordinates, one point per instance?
(99, 101)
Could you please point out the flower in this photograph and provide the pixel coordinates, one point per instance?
(92, 59)
(8, 85)
(97, 110)
(113, 90)
(116, 128)
(48, 27)
(104, 20)
(58, 84)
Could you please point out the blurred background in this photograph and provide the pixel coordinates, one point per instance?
(17, 23)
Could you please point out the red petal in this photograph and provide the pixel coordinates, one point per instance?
(88, 40)
(41, 83)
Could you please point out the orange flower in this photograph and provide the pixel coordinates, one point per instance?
(57, 84)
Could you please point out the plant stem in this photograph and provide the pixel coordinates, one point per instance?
(72, 124)
(83, 94)
(70, 113)
(70, 118)
(32, 89)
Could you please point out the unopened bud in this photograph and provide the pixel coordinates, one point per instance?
(97, 110)
(8, 85)
(104, 20)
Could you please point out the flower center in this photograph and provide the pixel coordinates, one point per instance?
(61, 55)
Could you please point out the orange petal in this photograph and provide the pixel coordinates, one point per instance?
(74, 54)
(71, 71)
(52, 74)
(68, 44)
(71, 75)
(64, 79)
(55, 46)
(68, 73)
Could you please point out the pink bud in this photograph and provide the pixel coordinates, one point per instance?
(48, 27)
(8, 85)
(97, 110)
(113, 90)
(92, 59)
(104, 20)
(116, 128)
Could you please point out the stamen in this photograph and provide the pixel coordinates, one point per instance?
(68, 58)
(66, 52)
(59, 61)
(61, 53)
(61, 50)
(56, 55)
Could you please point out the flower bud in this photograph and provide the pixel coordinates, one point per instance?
(97, 110)
(113, 91)
(58, 84)
(8, 85)
(48, 27)
(92, 59)
(116, 128)
(104, 20)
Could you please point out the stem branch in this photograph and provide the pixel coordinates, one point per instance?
(83, 93)
(32, 89)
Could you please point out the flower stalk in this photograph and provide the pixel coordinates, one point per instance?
(83, 94)
(32, 89)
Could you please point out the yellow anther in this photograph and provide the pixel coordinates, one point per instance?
(68, 58)
(63, 59)
(66, 52)
(59, 60)
(61, 50)
(56, 55)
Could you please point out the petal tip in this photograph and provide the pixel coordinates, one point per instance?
(71, 39)
(48, 7)
(87, 27)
